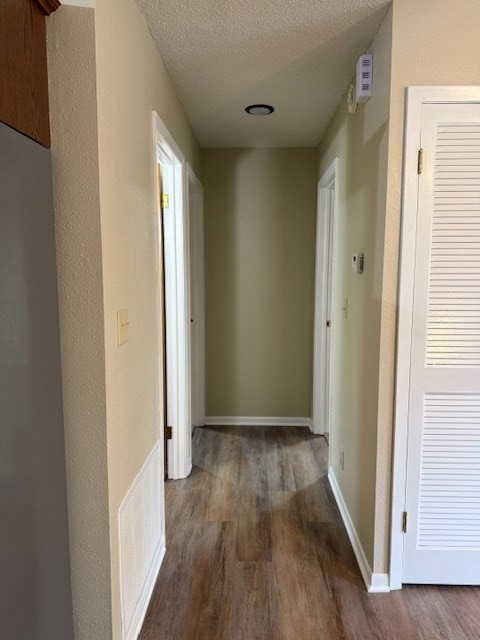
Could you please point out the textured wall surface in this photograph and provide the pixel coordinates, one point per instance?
(73, 105)
(131, 82)
(435, 42)
(260, 212)
(106, 77)
(361, 144)
(298, 56)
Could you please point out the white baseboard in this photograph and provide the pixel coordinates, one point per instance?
(375, 582)
(147, 592)
(251, 421)
(380, 583)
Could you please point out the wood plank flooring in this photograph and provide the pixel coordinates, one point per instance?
(256, 550)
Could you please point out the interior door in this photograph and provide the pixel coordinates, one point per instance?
(328, 336)
(197, 301)
(177, 304)
(321, 397)
(442, 539)
(167, 430)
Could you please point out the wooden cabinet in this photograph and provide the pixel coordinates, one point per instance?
(23, 67)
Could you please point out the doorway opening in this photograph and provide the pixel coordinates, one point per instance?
(324, 302)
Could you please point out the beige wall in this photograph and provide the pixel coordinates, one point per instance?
(106, 77)
(435, 42)
(131, 82)
(361, 144)
(73, 114)
(425, 50)
(260, 212)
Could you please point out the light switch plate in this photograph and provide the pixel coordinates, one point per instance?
(122, 326)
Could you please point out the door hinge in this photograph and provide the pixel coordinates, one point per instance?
(404, 522)
(421, 161)
(165, 201)
(168, 433)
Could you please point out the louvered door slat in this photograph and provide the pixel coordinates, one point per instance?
(450, 236)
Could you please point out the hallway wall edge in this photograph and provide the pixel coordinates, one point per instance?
(374, 582)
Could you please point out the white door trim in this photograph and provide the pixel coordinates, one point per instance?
(178, 317)
(416, 97)
(326, 220)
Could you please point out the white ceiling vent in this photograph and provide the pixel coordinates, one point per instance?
(364, 78)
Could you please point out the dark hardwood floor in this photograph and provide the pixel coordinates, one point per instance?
(256, 550)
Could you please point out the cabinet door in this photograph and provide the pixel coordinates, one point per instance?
(23, 68)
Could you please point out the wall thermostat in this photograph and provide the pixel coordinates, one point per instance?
(357, 262)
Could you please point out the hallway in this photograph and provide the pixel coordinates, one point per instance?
(256, 550)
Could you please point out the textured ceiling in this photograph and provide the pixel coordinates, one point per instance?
(297, 55)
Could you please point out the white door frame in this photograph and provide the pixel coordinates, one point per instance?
(177, 306)
(197, 295)
(416, 97)
(325, 253)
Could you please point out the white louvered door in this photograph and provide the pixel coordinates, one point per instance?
(442, 543)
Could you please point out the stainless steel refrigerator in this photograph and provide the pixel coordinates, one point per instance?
(35, 593)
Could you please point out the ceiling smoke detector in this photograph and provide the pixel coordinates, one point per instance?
(363, 85)
(259, 109)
